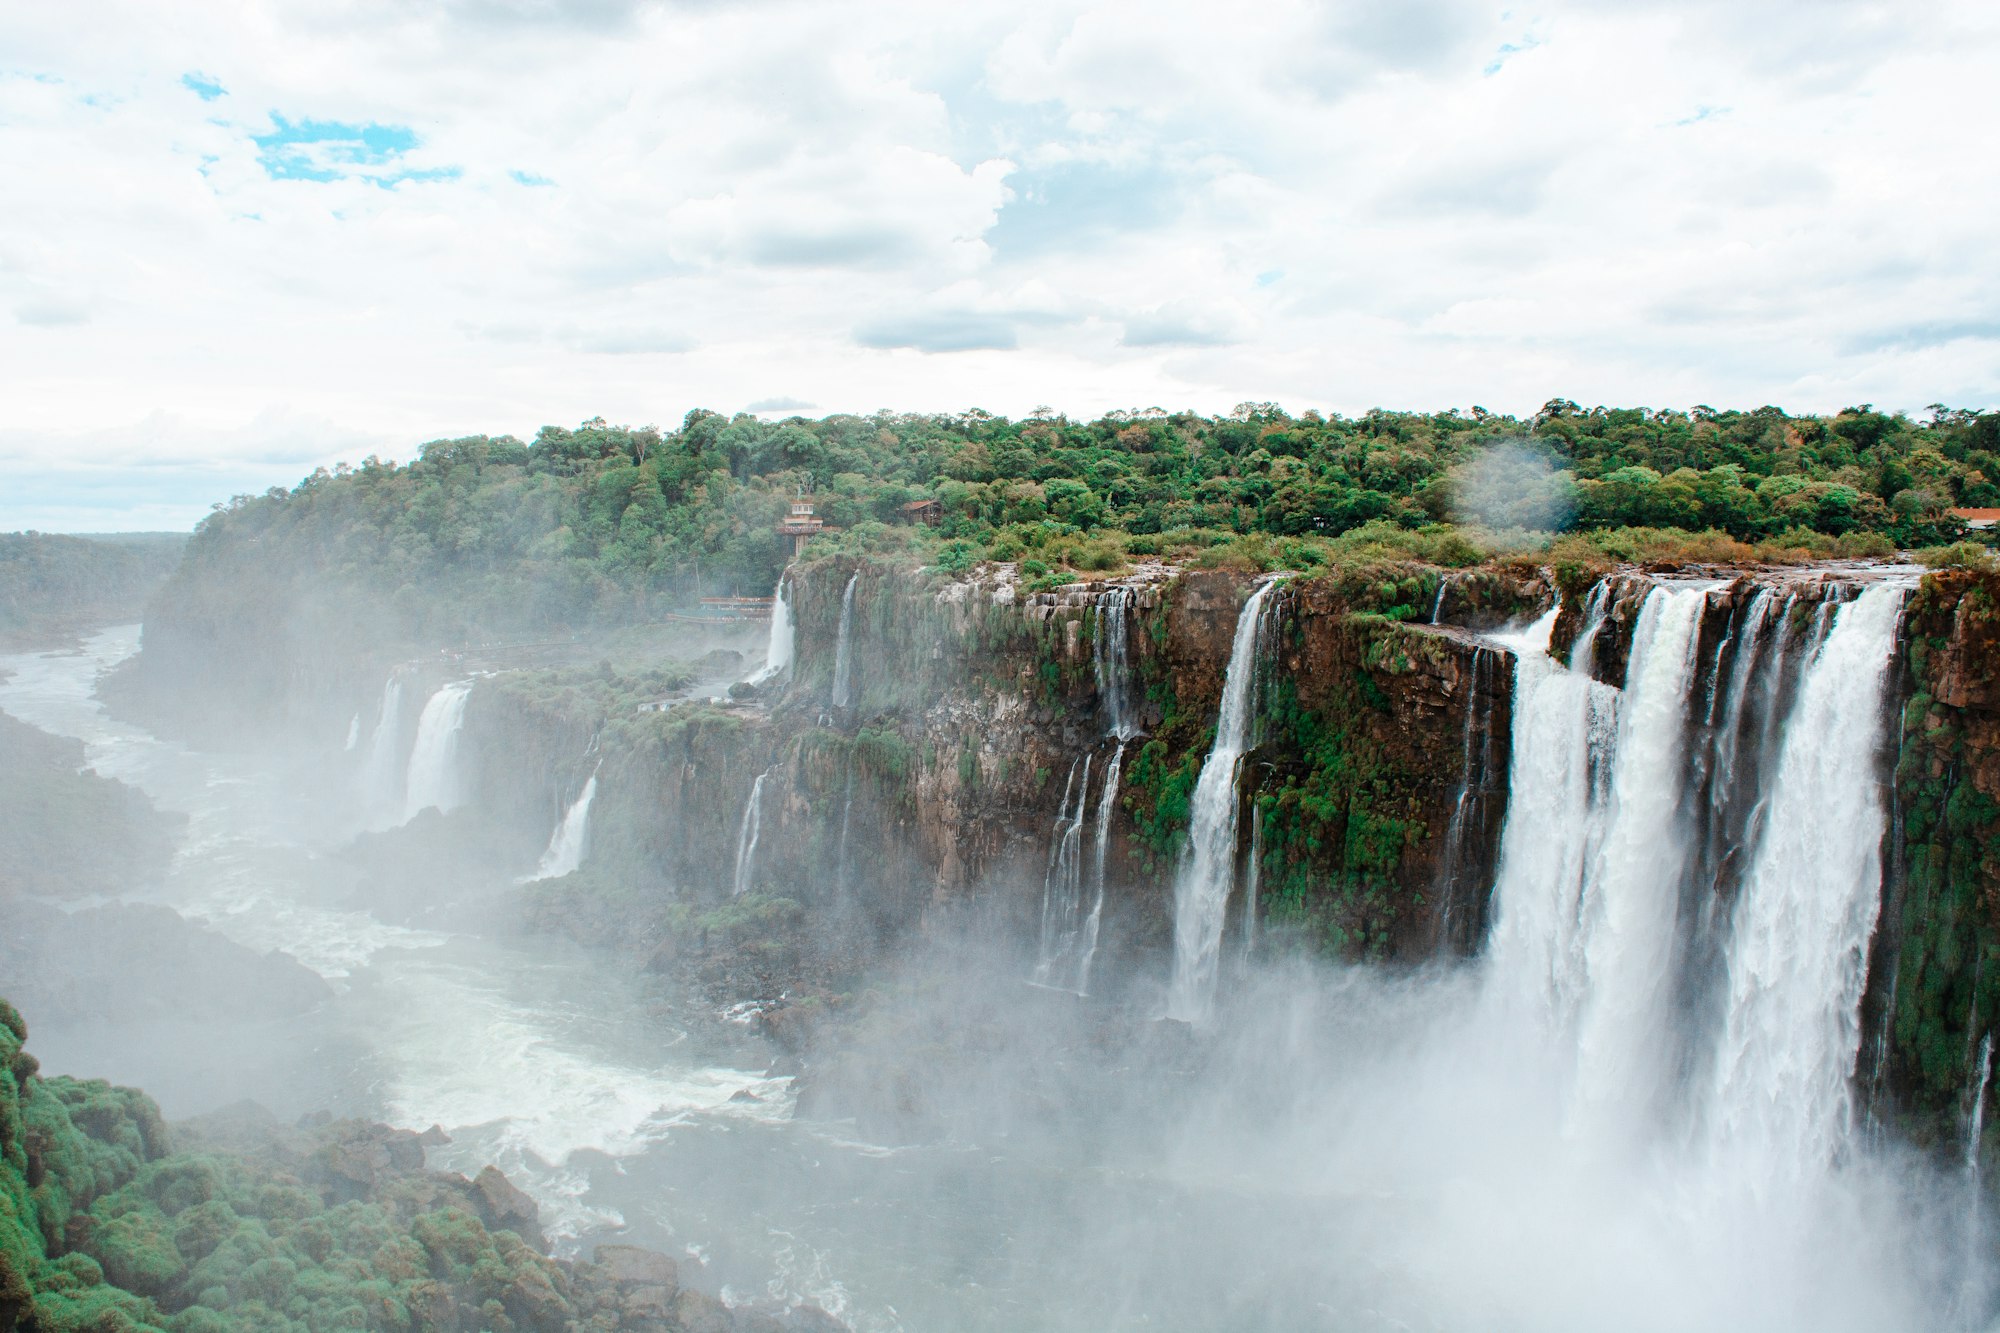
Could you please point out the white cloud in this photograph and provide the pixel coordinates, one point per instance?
(663, 205)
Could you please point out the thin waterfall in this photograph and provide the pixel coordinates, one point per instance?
(778, 652)
(1208, 866)
(1113, 663)
(1106, 807)
(566, 845)
(1798, 955)
(843, 664)
(846, 821)
(353, 733)
(433, 781)
(1631, 898)
(1062, 884)
(1975, 1117)
(1457, 865)
(746, 837)
(382, 766)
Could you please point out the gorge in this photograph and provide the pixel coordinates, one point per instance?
(1404, 943)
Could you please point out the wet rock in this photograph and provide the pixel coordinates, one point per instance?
(502, 1207)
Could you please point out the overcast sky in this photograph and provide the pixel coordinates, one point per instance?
(240, 239)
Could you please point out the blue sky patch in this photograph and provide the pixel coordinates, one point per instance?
(205, 86)
(530, 178)
(330, 150)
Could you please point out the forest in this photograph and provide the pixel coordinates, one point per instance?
(606, 524)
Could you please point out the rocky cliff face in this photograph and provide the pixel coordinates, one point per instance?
(1934, 994)
(932, 795)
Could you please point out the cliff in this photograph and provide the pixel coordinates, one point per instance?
(930, 797)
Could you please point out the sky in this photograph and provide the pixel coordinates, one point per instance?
(241, 238)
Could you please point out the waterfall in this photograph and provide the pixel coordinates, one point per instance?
(846, 820)
(382, 766)
(1798, 955)
(565, 849)
(1113, 663)
(1565, 724)
(746, 837)
(1975, 1118)
(778, 654)
(843, 665)
(1632, 897)
(1208, 867)
(353, 733)
(1062, 883)
(1468, 812)
(433, 778)
(1107, 805)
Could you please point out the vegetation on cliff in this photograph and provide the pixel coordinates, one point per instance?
(607, 524)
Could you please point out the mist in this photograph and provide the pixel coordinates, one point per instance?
(668, 930)
(1508, 486)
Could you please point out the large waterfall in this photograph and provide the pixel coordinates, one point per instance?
(566, 845)
(778, 653)
(1208, 867)
(433, 780)
(1799, 953)
(843, 658)
(1690, 869)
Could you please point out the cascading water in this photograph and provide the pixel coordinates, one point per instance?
(746, 837)
(1208, 868)
(843, 662)
(566, 845)
(846, 823)
(1459, 876)
(1798, 954)
(1631, 896)
(433, 780)
(778, 653)
(1106, 808)
(1062, 884)
(382, 766)
(1565, 724)
(353, 733)
(1113, 664)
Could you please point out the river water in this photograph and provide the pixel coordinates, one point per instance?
(1340, 1150)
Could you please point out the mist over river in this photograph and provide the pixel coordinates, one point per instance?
(1339, 1149)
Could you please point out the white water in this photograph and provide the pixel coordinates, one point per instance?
(746, 838)
(1107, 806)
(1208, 867)
(1798, 957)
(778, 653)
(843, 662)
(382, 767)
(566, 845)
(1062, 886)
(569, 1058)
(353, 733)
(434, 781)
(1565, 725)
(1113, 664)
(1348, 1160)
